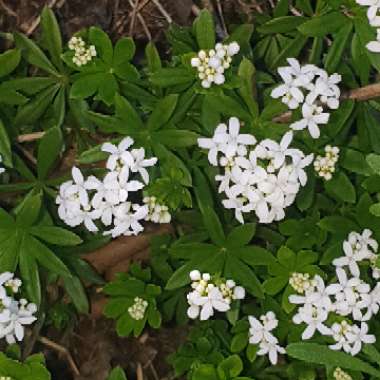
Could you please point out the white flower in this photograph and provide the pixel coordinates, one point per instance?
(325, 166)
(326, 90)
(272, 349)
(374, 46)
(2, 170)
(118, 154)
(14, 317)
(339, 333)
(157, 213)
(359, 335)
(4, 278)
(260, 333)
(127, 219)
(139, 163)
(313, 116)
(373, 8)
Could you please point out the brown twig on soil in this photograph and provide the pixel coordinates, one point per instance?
(163, 11)
(8, 10)
(142, 22)
(27, 154)
(63, 351)
(29, 137)
(123, 248)
(133, 18)
(139, 372)
(221, 15)
(36, 22)
(360, 94)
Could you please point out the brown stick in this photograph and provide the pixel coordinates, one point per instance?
(29, 137)
(360, 94)
(36, 22)
(63, 351)
(133, 18)
(163, 11)
(122, 248)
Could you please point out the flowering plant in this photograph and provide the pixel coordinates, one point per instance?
(255, 158)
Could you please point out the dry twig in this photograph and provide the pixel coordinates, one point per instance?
(29, 137)
(163, 11)
(36, 22)
(61, 350)
(142, 22)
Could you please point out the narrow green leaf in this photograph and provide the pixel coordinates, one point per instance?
(162, 112)
(29, 211)
(55, 235)
(325, 24)
(49, 149)
(9, 60)
(52, 36)
(205, 30)
(282, 24)
(5, 146)
(77, 294)
(318, 354)
(213, 226)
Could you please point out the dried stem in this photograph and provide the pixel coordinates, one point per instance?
(142, 21)
(29, 137)
(163, 11)
(63, 351)
(36, 22)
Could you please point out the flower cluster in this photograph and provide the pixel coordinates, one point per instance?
(83, 200)
(300, 282)
(374, 20)
(5, 378)
(157, 213)
(211, 64)
(313, 88)
(349, 296)
(137, 310)
(82, 54)
(264, 179)
(325, 166)
(211, 294)
(339, 374)
(14, 314)
(2, 170)
(260, 333)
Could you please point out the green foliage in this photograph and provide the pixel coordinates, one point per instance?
(33, 368)
(122, 293)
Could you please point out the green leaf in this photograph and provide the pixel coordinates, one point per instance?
(340, 117)
(355, 161)
(373, 161)
(29, 211)
(44, 256)
(174, 138)
(341, 188)
(167, 77)
(77, 294)
(33, 54)
(318, 354)
(286, 257)
(5, 146)
(230, 367)
(153, 57)
(291, 49)
(162, 112)
(321, 25)
(117, 374)
(49, 149)
(102, 44)
(239, 342)
(282, 24)
(338, 225)
(213, 226)
(52, 35)
(241, 235)
(247, 73)
(30, 276)
(335, 52)
(205, 30)
(124, 51)
(274, 285)
(125, 111)
(9, 60)
(55, 235)
(205, 372)
(29, 113)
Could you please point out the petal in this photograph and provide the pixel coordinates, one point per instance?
(373, 46)
(234, 126)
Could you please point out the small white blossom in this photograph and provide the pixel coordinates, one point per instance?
(325, 166)
(157, 213)
(82, 54)
(212, 64)
(208, 295)
(137, 310)
(260, 333)
(339, 374)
